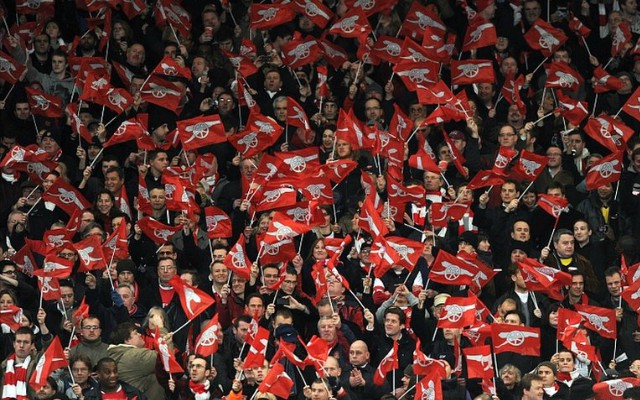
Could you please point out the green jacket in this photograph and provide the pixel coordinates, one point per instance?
(137, 367)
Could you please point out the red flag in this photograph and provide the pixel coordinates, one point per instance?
(282, 251)
(605, 171)
(246, 68)
(158, 232)
(632, 106)
(65, 196)
(529, 166)
(128, 130)
(553, 205)
(258, 349)
(466, 72)
(605, 82)
(168, 357)
(43, 8)
(194, 301)
(10, 69)
(511, 89)
(133, 8)
(52, 359)
(237, 261)
(409, 250)
(387, 48)
(401, 193)
(382, 256)
(371, 221)
(260, 133)
(478, 333)
(483, 179)
(334, 54)
(336, 171)
(350, 130)
(578, 27)
(169, 67)
(283, 227)
(422, 364)
(436, 93)
(539, 277)
(568, 322)
(162, 93)
(599, 319)
(515, 339)
(573, 110)
(414, 73)
(301, 52)
(457, 312)
(387, 364)
(451, 270)
(218, 223)
(273, 197)
(209, 339)
(612, 134)
(353, 24)
(613, 389)
(480, 33)
(201, 131)
(25, 260)
(430, 387)
(503, 159)
(620, 38)
(479, 362)
(117, 245)
(631, 295)
(296, 115)
(442, 213)
(561, 75)
(171, 13)
(320, 280)
(264, 16)
(544, 37)
(44, 104)
(276, 382)
(79, 128)
(11, 317)
(90, 254)
(420, 18)
(423, 161)
(80, 313)
(315, 10)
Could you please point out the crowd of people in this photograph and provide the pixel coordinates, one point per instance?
(344, 178)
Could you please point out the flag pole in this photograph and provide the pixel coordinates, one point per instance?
(182, 326)
(8, 93)
(525, 191)
(34, 205)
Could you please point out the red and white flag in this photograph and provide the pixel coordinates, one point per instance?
(158, 232)
(261, 132)
(209, 339)
(65, 196)
(484, 178)
(258, 349)
(414, 73)
(605, 171)
(162, 93)
(90, 254)
(301, 52)
(52, 359)
(442, 213)
(167, 356)
(420, 18)
(353, 24)
(296, 115)
(387, 364)
(516, 339)
(620, 38)
(609, 132)
(218, 223)
(11, 317)
(560, 75)
(632, 106)
(265, 16)
(451, 270)
(371, 221)
(194, 301)
(544, 37)
(479, 362)
(430, 387)
(334, 54)
(11, 70)
(613, 389)
(43, 104)
(529, 166)
(315, 10)
(201, 131)
(237, 260)
(599, 319)
(574, 111)
(605, 82)
(283, 227)
(457, 312)
(387, 48)
(169, 67)
(277, 382)
(480, 33)
(336, 171)
(552, 205)
(467, 72)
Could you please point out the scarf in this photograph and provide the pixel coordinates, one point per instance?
(15, 379)
(200, 390)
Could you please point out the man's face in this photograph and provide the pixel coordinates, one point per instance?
(225, 103)
(211, 20)
(58, 64)
(555, 192)
(485, 92)
(507, 137)
(198, 371)
(613, 284)
(219, 273)
(160, 163)
(22, 111)
(135, 55)
(565, 246)
(22, 345)
(255, 306)
(358, 354)
(514, 117)
(108, 164)
(157, 199)
(127, 297)
(42, 44)
(508, 192)
(108, 375)
(392, 325)
(561, 56)
(535, 393)
(113, 183)
(49, 145)
(509, 66)
(332, 367)
(605, 192)
(330, 110)
(327, 330)
(289, 283)
(270, 275)
(166, 270)
(432, 181)
(272, 81)
(521, 231)
(219, 254)
(91, 329)
(554, 154)
(67, 296)
(581, 231)
(45, 392)
(238, 285)
(512, 319)
(126, 277)
(417, 111)
(576, 143)
(577, 286)
(241, 331)
(280, 110)
(319, 392)
(532, 11)
(547, 376)
(372, 110)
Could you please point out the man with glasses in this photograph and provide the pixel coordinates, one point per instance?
(91, 344)
(556, 170)
(59, 313)
(198, 384)
(11, 279)
(288, 297)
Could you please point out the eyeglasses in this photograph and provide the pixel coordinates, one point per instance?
(506, 134)
(167, 268)
(11, 272)
(76, 370)
(290, 282)
(91, 327)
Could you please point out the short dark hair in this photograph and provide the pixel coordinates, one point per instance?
(103, 361)
(527, 379)
(83, 358)
(25, 330)
(560, 232)
(516, 312)
(122, 333)
(241, 318)
(556, 185)
(611, 271)
(396, 311)
(153, 154)
(205, 359)
(251, 296)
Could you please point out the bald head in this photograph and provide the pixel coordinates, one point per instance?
(332, 366)
(358, 353)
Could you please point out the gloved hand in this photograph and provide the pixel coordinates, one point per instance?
(116, 298)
